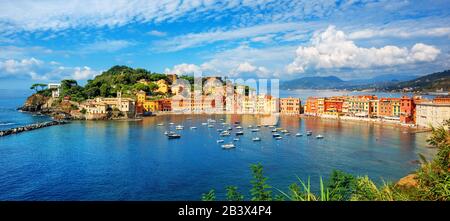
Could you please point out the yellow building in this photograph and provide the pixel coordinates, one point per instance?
(162, 86)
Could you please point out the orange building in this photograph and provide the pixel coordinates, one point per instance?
(311, 106)
(290, 105)
(389, 107)
(407, 110)
(333, 105)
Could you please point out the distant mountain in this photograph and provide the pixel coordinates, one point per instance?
(314, 83)
(381, 82)
(431, 82)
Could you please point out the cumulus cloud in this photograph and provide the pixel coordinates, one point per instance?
(333, 49)
(35, 69)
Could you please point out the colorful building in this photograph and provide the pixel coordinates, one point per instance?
(361, 106)
(311, 106)
(290, 105)
(407, 110)
(389, 108)
(333, 105)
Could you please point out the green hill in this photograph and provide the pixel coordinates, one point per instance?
(427, 83)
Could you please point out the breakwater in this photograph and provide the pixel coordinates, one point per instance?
(30, 127)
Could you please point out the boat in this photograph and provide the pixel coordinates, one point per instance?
(250, 126)
(298, 134)
(179, 127)
(287, 134)
(319, 136)
(258, 125)
(166, 132)
(173, 136)
(204, 124)
(220, 141)
(255, 130)
(228, 146)
(256, 139)
(225, 133)
(211, 121)
(278, 138)
(284, 131)
(229, 128)
(271, 126)
(210, 125)
(240, 133)
(192, 128)
(276, 135)
(219, 130)
(308, 133)
(160, 124)
(274, 130)
(238, 127)
(236, 139)
(171, 123)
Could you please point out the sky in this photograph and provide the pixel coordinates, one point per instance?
(46, 41)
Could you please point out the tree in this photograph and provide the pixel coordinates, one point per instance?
(341, 185)
(38, 87)
(233, 194)
(260, 190)
(209, 196)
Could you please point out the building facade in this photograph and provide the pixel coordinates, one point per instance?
(290, 105)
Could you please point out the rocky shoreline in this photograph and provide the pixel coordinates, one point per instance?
(31, 127)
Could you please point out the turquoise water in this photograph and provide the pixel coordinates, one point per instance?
(133, 160)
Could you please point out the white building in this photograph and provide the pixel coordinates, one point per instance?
(55, 89)
(430, 113)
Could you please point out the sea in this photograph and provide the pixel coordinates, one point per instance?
(134, 160)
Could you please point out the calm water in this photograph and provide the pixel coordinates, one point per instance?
(135, 161)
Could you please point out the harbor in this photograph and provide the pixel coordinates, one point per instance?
(30, 127)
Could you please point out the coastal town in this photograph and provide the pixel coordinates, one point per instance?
(413, 111)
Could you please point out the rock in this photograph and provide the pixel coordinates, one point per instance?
(408, 181)
(35, 103)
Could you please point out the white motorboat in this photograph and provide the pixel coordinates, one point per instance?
(173, 136)
(308, 133)
(171, 123)
(236, 139)
(256, 139)
(225, 133)
(220, 141)
(319, 136)
(276, 135)
(210, 125)
(193, 128)
(278, 138)
(179, 127)
(255, 130)
(228, 146)
(204, 124)
(238, 127)
(160, 124)
(298, 134)
(240, 133)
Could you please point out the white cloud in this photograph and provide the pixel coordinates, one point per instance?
(333, 49)
(34, 69)
(157, 33)
(106, 46)
(83, 73)
(397, 32)
(258, 33)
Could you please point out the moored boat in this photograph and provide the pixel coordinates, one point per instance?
(239, 132)
(228, 146)
(220, 141)
(319, 136)
(174, 136)
(256, 139)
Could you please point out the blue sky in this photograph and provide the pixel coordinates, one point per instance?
(46, 41)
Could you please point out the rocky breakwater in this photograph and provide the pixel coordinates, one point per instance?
(30, 127)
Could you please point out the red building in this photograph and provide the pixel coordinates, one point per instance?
(407, 110)
(333, 105)
(165, 104)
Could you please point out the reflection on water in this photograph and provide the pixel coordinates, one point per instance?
(134, 160)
